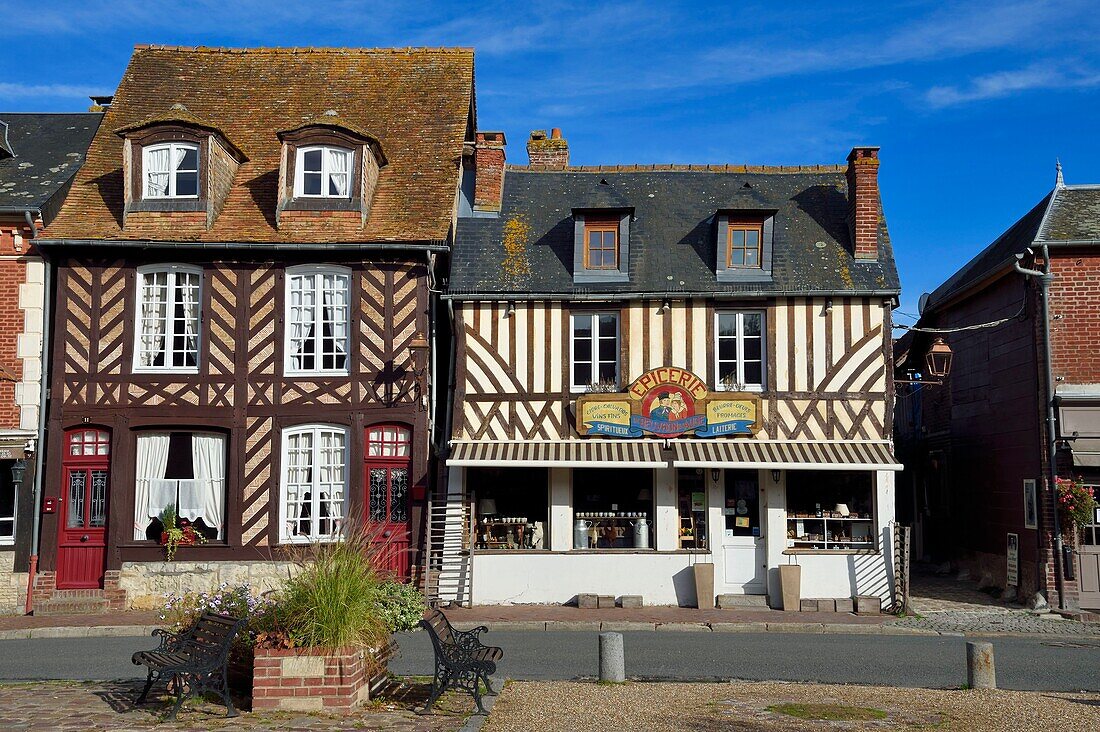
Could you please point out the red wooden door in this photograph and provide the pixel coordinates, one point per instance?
(388, 466)
(82, 535)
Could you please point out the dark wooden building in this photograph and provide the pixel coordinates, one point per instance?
(243, 320)
(978, 478)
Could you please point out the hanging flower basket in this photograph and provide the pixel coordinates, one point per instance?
(1076, 502)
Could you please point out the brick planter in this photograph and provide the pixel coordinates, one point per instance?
(315, 679)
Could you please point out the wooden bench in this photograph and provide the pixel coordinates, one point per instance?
(195, 660)
(462, 661)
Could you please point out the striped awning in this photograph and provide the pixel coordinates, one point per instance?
(564, 454)
(784, 455)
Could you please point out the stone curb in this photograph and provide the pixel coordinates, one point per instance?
(475, 722)
(92, 631)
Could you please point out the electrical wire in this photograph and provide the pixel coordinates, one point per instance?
(962, 328)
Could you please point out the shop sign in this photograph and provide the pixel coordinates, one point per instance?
(1013, 569)
(668, 402)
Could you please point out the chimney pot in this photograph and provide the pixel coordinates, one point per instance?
(545, 153)
(863, 201)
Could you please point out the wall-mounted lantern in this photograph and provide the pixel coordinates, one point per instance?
(939, 359)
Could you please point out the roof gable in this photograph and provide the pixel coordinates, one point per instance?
(416, 102)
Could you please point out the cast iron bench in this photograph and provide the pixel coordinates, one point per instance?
(462, 661)
(196, 660)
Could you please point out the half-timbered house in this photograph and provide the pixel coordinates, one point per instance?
(243, 325)
(659, 367)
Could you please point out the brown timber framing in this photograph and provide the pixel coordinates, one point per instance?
(827, 365)
(239, 389)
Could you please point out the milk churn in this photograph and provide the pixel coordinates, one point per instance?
(580, 533)
(641, 534)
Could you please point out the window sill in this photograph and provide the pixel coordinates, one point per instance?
(840, 552)
(167, 205)
(328, 374)
(321, 203)
(578, 552)
(190, 370)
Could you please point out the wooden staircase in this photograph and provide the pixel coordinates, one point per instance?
(448, 569)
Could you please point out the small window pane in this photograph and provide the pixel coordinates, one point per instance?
(727, 324)
(752, 324)
(607, 349)
(312, 161)
(190, 160)
(753, 372)
(737, 257)
(608, 372)
(582, 374)
(752, 349)
(582, 326)
(607, 325)
(311, 184)
(187, 184)
(582, 349)
(738, 238)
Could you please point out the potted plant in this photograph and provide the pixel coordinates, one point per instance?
(176, 532)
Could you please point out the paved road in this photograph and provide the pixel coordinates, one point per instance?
(1042, 664)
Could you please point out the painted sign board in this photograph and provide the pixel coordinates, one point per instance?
(668, 402)
(1013, 560)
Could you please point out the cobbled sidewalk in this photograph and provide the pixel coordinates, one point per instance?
(66, 705)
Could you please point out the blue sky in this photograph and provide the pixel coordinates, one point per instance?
(970, 101)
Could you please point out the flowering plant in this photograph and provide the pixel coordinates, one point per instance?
(1076, 502)
(180, 611)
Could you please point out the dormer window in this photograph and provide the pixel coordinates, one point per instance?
(743, 243)
(323, 172)
(171, 170)
(601, 244)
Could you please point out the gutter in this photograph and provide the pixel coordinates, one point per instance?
(1045, 280)
(40, 445)
(254, 246)
(667, 295)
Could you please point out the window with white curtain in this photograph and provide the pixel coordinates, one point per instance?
(314, 484)
(171, 170)
(167, 328)
(594, 357)
(323, 171)
(739, 351)
(185, 470)
(317, 320)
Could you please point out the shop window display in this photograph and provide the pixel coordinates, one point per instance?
(691, 503)
(612, 509)
(512, 507)
(830, 510)
(742, 509)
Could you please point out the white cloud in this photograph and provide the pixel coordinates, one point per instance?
(10, 90)
(1006, 83)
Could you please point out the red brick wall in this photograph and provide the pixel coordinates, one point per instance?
(309, 679)
(1075, 316)
(488, 171)
(863, 201)
(13, 273)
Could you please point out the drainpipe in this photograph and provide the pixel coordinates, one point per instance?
(445, 437)
(40, 442)
(1045, 280)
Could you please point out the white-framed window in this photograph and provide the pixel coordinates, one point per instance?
(323, 171)
(312, 505)
(167, 327)
(8, 493)
(171, 170)
(184, 470)
(594, 356)
(739, 362)
(317, 319)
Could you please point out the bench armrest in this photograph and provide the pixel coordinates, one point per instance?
(169, 641)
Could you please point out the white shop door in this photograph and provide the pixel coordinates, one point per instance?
(743, 538)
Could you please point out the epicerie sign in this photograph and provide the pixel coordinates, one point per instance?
(667, 402)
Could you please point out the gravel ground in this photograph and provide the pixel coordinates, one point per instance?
(743, 706)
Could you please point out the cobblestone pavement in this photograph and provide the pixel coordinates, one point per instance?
(67, 705)
(948, 605)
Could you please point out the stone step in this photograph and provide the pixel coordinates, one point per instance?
(743, 601)
(73, 606)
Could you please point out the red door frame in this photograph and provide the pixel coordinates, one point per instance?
(82, 521)
(389, 512)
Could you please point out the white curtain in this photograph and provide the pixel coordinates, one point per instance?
(154, 311)
(335, 297)
(338, 171)
(208, 456)
(152, 461)
(156, 171)
(181, 153)
(187, 286)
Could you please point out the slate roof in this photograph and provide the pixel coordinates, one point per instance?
(416, 102)
(1066, 214)
(672, 246)
(1075, 215)
(49, 149)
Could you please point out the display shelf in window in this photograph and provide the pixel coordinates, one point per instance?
(827, 532)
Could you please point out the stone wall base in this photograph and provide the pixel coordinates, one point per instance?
(312, 679)
(146, 583)
(13, 586)
(991, 570)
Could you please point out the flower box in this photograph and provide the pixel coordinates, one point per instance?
(189, 538)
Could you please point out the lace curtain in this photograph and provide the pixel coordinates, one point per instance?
(157, 171)
(338, 172)
(150, 492)
(208, 454)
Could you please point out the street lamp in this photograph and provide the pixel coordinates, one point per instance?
(939, 359)
(418, 351)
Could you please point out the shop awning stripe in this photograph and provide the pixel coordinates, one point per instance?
(784, 455)
(564, 454)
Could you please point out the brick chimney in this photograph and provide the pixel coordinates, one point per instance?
(489, 171)
(863, 201)
(544, 154)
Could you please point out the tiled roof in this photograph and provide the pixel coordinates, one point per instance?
(672, 233)
(1075, 215)
(49, 149)
(416, 102)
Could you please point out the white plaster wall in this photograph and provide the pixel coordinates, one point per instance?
(561, 509)
(661, 579)
(666, 513)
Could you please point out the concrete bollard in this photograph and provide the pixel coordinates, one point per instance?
(980, 670)
(612, 659)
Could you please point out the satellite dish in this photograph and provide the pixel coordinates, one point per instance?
(922, 303)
